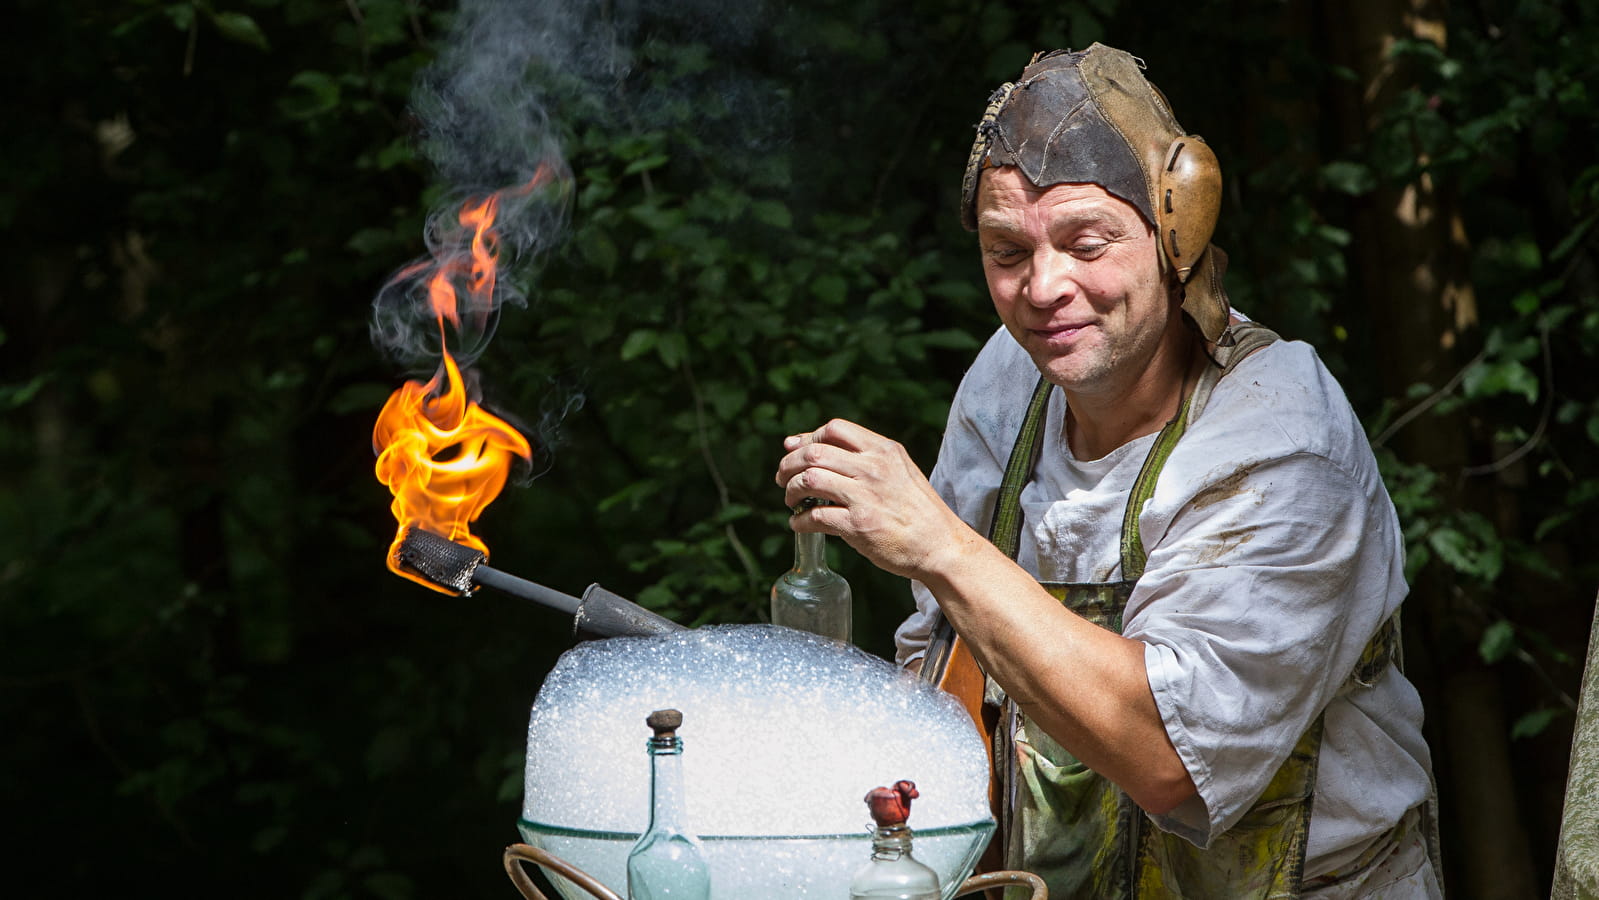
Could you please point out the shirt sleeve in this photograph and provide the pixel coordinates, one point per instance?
(912, 636)
(1254, 608)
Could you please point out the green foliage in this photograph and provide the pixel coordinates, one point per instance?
(711, 321)
(1502, 123)
(1536, 722)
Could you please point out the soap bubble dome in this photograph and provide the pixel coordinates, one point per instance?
(783, 732)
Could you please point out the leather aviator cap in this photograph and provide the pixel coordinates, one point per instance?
(1092, 117)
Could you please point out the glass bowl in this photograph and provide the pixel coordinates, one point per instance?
(768, 867)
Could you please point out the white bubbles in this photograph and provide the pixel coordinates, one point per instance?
(784, 733)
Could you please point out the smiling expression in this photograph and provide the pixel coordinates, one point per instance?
(1075, 276)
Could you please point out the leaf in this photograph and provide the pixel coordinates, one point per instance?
(726, 398)
(13, 396)
(638, 343)
(672, 348)
(181, 14)
(646, 163)
(1347, 177)
(1552, 522)
(1524, 253)
(314, 93)
(372, 242)
(1497, 641)
(773, 213)
(1465, 555)
(656, 596)
(236, 26)
(830, 289)
(655, 218)
(633, 496)
(1571, 240)
(1533, 724)
(1501, 377)
(397, 152)
(1338, 237)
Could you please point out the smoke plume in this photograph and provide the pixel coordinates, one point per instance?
(491, 108)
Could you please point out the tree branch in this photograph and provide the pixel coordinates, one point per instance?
(702, 437)
(1433, 400)
(1510, 458)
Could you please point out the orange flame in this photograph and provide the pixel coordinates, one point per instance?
(443, 457)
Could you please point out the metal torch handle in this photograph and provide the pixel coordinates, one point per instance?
(527, 590)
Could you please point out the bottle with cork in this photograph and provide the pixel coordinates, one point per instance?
(811, 596)
(892, 873)
(668, 862)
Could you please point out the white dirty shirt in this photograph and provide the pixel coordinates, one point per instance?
(1274, 555)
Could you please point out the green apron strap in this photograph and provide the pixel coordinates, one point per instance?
(1133, 555)
(1246, 338)
(1005, 530)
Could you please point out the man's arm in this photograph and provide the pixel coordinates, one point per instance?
(1086, 686)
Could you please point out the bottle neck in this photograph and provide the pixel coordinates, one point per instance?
(891, 841)
(666, 784)
(810, 552)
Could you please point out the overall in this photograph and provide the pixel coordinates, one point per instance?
(1073, 827)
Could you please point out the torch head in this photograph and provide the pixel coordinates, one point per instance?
(440, 560)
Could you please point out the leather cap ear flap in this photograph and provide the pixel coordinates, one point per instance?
(1205, 298)
(1188, 202)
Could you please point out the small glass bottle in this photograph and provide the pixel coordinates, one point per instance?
(667, 863)
(810, 596)
(892, 873)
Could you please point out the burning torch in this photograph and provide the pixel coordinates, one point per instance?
(445, 458)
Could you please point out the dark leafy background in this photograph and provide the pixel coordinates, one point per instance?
(211, 683)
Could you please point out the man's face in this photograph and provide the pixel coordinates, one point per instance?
(1075, 276)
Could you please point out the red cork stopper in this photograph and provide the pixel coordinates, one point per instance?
(891, 805)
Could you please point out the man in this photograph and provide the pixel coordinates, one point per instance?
(1185, 604)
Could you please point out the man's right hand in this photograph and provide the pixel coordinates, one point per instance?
(880, 502)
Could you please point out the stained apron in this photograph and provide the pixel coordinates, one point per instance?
(1073, 827)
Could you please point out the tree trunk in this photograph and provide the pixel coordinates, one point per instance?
(1409, 258)
(1577, 860)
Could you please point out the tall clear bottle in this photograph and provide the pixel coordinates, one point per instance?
(667, 863)
(892, 873)
(810, 596)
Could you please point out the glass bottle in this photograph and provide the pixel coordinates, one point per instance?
(810, 596)
(892, 873)
(667, 863)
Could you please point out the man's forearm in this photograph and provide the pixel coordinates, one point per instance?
(1085, 686)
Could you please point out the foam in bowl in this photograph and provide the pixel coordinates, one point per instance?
(783, 733)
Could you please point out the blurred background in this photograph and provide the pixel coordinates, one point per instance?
(210, 680)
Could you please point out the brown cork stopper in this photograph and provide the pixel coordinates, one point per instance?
(664, 722)
(891, 805)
